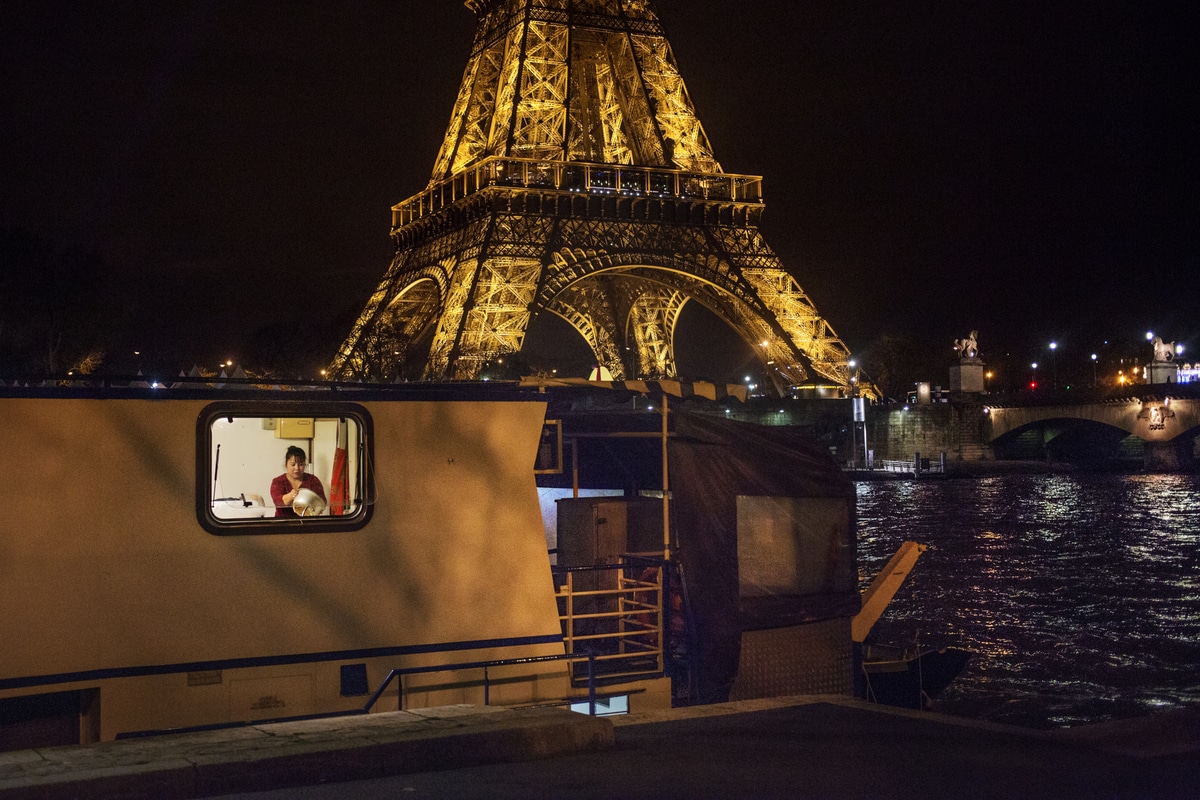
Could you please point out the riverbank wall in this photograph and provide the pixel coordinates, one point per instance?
(892, 432)
(899, 433)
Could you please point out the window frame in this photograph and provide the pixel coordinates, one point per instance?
(364, 487)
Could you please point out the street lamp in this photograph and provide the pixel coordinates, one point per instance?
(1054, 362)
(858, 414)
(1033, 381)
(1094, 370)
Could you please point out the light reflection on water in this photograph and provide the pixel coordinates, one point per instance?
(1079, 593)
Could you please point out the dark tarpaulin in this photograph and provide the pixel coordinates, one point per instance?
(713, 461)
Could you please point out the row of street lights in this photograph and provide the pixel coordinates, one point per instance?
(1095, 358)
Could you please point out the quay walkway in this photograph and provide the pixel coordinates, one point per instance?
(793, 747)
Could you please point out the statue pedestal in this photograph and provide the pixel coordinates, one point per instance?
(1162, 372)
(967, 376)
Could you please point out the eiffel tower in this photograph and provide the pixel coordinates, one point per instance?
(575, 179)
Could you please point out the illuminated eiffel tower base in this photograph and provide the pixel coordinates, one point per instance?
(576, 179)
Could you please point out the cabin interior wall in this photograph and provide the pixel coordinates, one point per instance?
(252, 454)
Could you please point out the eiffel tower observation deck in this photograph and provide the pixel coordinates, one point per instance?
(575, 179)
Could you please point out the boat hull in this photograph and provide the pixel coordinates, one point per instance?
(909, 679)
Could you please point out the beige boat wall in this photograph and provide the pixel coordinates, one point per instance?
(109, 583)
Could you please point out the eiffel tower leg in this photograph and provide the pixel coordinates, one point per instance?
(807, 331)
(652, 321)
(591, 308)
(449, 328)
(391, 328)
(496, 318)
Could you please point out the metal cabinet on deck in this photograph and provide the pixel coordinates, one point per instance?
(598, 530)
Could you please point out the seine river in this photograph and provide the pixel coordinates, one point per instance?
(1079, 593)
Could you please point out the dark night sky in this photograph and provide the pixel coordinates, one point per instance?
(1024, 168)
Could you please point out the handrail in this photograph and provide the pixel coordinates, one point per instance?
(910, 466)
(628, 560)
(618, 621)
(366, 709)
(485, 665)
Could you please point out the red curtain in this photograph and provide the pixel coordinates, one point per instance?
(339, 491)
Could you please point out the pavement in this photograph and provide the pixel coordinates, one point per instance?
(793, 747)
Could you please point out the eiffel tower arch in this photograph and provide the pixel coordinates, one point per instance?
(575, 179)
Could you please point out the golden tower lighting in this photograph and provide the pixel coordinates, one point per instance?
(576, 179)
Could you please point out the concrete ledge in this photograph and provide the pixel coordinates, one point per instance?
(1150, 736)
(284, 754)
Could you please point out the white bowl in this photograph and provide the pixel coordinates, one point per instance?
(308, 503)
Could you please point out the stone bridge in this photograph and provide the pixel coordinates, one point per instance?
(1162, 422)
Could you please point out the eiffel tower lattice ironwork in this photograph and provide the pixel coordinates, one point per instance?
(575, 178)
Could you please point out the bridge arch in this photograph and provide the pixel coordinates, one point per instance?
(1158, 428)
(1157, 418)
(1068, 439)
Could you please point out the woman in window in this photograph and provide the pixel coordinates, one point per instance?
(288, 486)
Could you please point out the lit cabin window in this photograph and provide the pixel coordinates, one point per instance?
(283, 467)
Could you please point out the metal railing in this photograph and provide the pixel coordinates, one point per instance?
(486, 666)
(399, 673)
(578, 176)
(614, 616)
(612, 625)
(916, 466)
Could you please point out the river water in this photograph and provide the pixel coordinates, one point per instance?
(1079, 593)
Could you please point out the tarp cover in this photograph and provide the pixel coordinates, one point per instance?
(803, 552)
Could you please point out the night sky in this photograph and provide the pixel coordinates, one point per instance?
(1027, 169)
